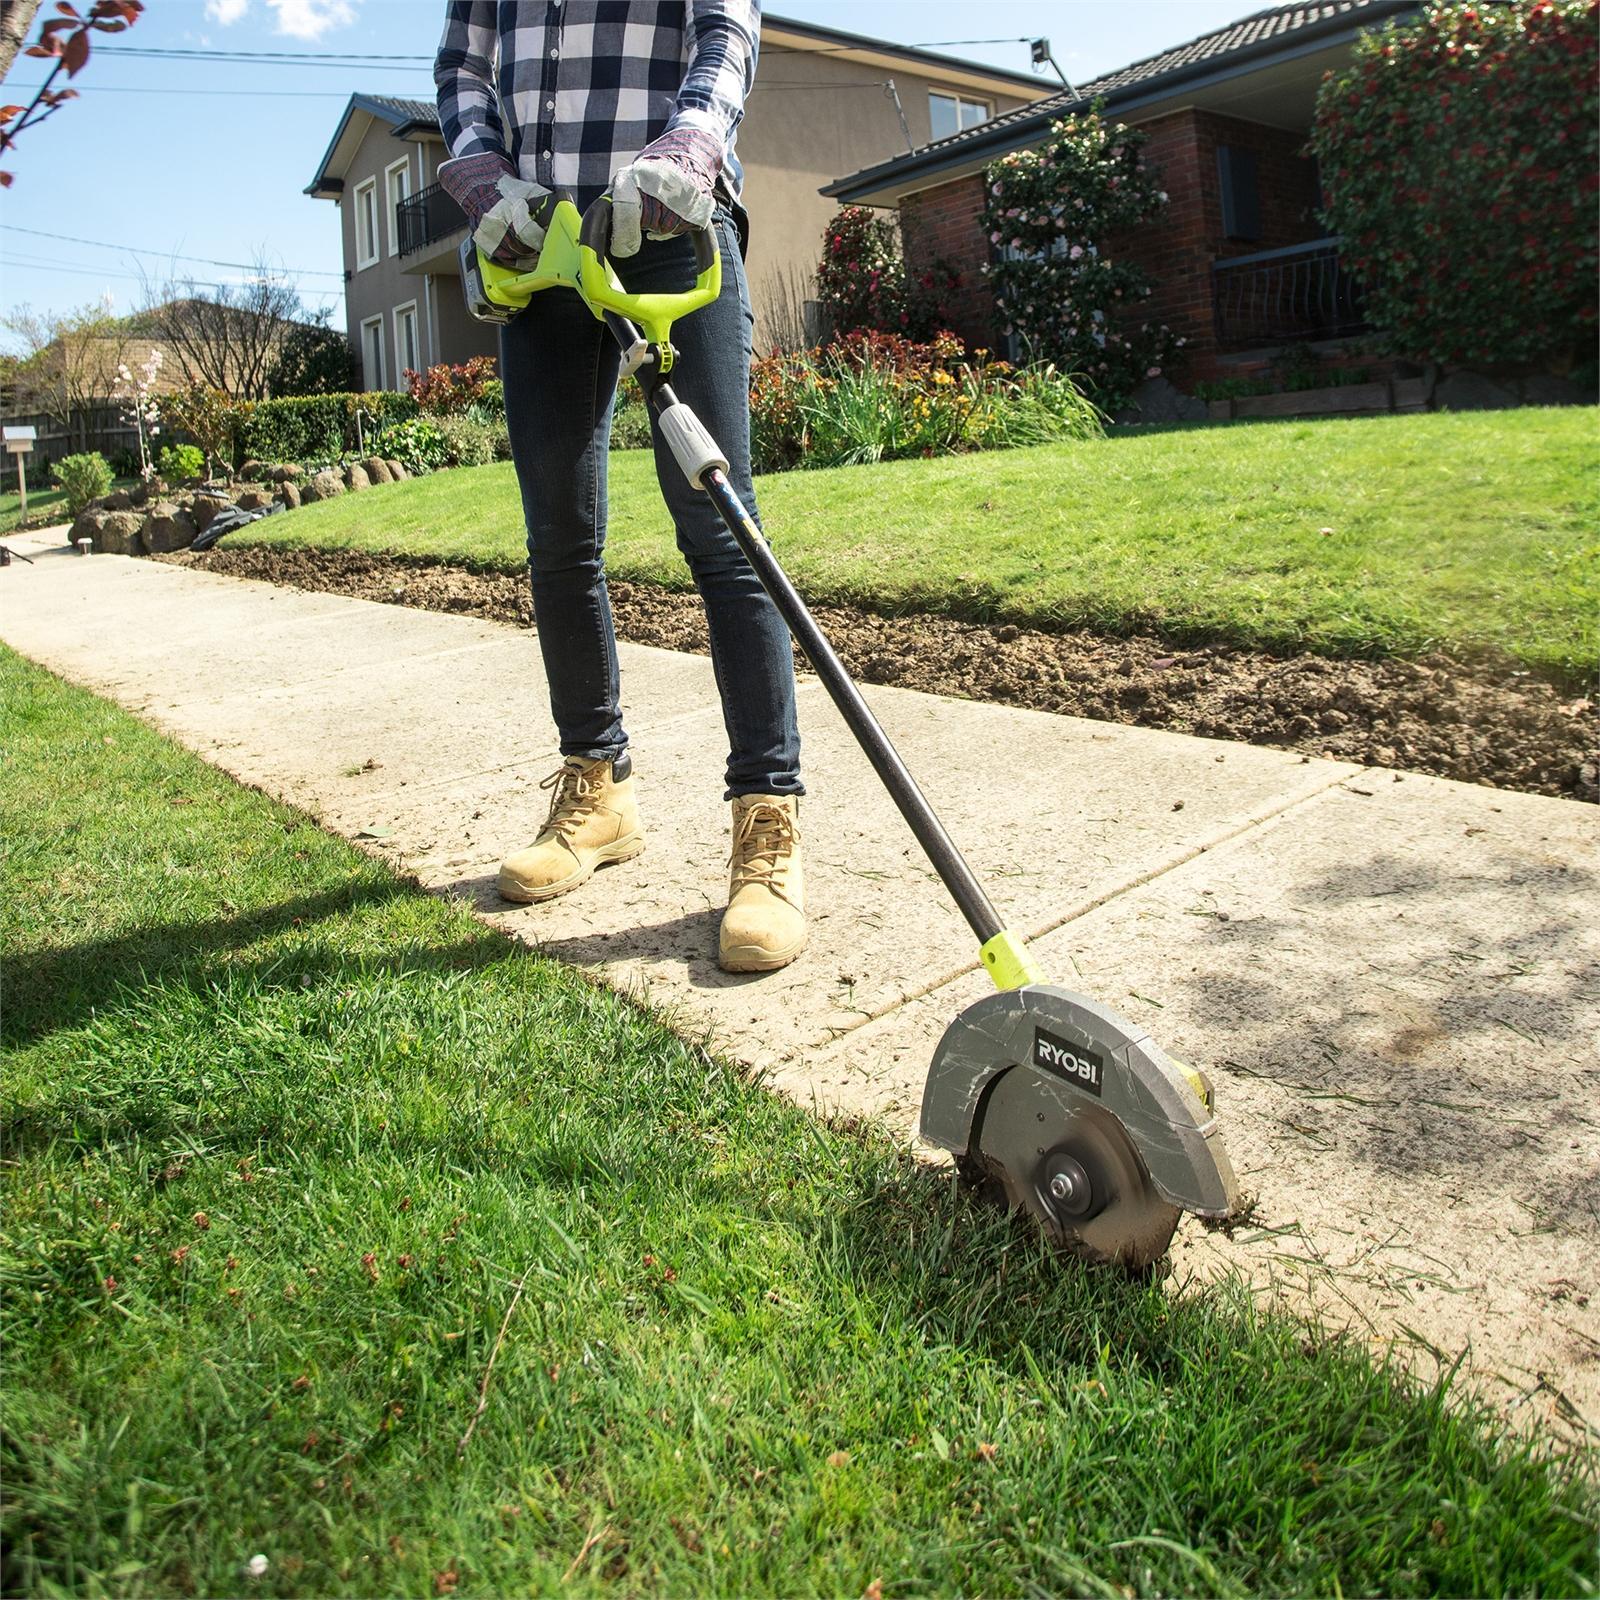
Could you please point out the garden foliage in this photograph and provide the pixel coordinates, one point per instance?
(177, 463)
(318, 427)
(211, 418)
(84, 478)
(1052, 215)
(1459, 152)
(863, 283)
(877, 397)
(446, 390)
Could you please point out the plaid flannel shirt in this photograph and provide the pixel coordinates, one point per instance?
(585, 85)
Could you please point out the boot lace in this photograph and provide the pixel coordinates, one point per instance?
(575, 797)
(763, 846)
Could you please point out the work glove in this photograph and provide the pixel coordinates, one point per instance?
(499, 206)
(665, 189)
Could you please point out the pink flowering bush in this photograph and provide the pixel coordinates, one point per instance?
(1459, 151)
(863, 283)
(1051, 213)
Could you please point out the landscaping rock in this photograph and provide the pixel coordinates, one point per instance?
(1158, 400)
(168, 527)
(1471, 391)
(205, 507)
(377, 470)
(355, 477)
(120, 534)
(117, 500)
(285, 472)
(88, 525)
(253, 471)
(254, 499)
(327, 485)
(139, 494)
(397, 469)
(289, 493)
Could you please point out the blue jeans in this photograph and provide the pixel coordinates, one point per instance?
(560, 367)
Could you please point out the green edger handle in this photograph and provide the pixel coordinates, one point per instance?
(654, 313)
(575, 256)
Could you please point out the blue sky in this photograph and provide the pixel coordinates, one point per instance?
(166, 157)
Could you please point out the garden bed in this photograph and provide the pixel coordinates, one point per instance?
(1492, 725)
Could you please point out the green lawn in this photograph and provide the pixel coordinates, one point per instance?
(42, 498)
(285, 1136)
(1473, 532)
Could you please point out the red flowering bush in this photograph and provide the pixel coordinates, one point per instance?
(1458, 151)
(863, 283)
(445, 390)
(1049, 214)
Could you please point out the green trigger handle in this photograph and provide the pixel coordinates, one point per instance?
(574, 256)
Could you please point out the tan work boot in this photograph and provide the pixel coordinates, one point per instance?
(765, 924)
(594, 819)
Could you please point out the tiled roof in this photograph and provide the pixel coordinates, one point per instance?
(401, 111)
(1254, 34)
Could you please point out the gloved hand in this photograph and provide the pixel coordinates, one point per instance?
(665, 189)
(499, 206)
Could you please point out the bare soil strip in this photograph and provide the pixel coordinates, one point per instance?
(1478, 723)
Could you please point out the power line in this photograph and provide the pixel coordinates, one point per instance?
(172, 255)
(227, 94)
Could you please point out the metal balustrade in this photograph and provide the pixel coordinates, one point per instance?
(1278, 296)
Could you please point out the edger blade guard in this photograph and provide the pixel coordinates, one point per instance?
(1080, 1118)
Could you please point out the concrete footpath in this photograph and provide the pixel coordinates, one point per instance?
(1393, 980)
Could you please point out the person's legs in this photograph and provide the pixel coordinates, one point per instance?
(560, 372)
(750, 651)
(764, 925)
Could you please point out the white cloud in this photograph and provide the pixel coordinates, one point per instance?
(309, 19)
(225, 11)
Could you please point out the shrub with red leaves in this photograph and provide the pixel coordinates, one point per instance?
(1459, 157)
(445, 390)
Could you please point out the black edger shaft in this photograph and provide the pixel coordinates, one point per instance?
(947, 861)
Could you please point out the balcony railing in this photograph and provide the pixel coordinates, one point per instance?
(426, 217)
(1277, 296)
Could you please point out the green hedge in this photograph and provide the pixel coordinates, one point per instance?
(317, 427)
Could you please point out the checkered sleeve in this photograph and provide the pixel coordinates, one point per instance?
(463, 73)
(722, 37)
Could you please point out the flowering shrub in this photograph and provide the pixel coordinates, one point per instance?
(877, 397)
(83, 478)
(1049, 214)
(137, 393)
(862, 280)
(446, 390)
(1459, 153)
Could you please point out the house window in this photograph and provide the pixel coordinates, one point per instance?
(1241, 195)
(397, 178)
(372, 354)
(367, 223)
(405, 338)
(950, 113)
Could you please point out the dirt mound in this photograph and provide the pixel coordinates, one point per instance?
(1481, 724)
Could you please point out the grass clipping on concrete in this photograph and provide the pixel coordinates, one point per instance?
(343, 1233)
(1470, 533)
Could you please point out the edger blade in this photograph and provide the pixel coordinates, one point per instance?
(1080, 1119)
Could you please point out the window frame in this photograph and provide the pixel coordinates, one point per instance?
(367, 187)
(391, 204)
(382, 355)
(985, 106)
(400, 363)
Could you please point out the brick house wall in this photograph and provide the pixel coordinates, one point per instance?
(941, 225)
(1177, 250)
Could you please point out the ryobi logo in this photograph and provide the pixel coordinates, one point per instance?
(1079, 1067)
